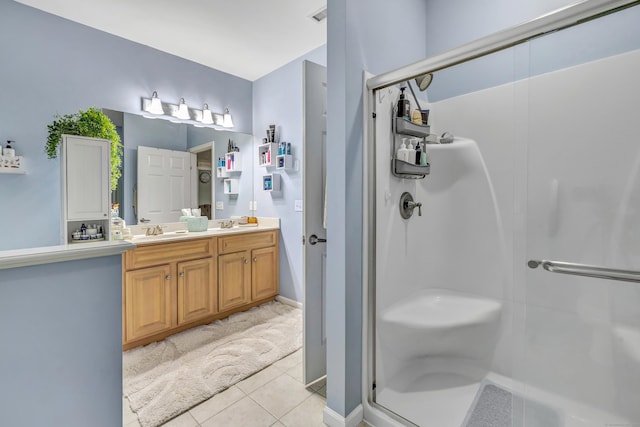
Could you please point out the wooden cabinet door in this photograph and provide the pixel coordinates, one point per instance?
(264, 273)
(148, 307)
(197, 290)
(234, 280)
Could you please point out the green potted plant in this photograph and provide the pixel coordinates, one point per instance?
(92, 123)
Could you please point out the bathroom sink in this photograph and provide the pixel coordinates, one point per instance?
(165, 236)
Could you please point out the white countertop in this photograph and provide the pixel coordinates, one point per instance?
(69, 252)
(140, 240)
(50, 254)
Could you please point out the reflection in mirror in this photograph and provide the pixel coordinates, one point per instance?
(206, 146)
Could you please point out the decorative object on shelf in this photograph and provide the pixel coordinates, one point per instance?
(271, 133)
(92, 123)
(182, 111)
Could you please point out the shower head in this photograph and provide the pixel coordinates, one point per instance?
(424, 81)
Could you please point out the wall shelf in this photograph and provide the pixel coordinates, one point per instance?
(233, 162)
(267, 154)
(405, 127)
(12, 165)
(284, 161)
(271, 182)
(231, 186)
(221, 172)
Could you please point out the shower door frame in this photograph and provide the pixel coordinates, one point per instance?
(566, 17)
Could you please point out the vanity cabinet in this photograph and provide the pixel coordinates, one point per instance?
(172, 286)
(248, 268)
(197, 293)
(167, 287)
(149, 302)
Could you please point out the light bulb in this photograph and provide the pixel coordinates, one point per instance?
(227, 121)
(207, 117)
(183, 110)
(156, 104)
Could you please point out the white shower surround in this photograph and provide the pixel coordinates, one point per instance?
(573, 343)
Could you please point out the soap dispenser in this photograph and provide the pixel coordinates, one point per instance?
(402, 151)
(404, 107)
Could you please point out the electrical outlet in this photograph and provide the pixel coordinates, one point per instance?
(219, 206)
(297, 205)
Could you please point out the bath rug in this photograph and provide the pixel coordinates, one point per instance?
(165, 379)
(495, 406)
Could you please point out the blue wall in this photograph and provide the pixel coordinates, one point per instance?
(586, 42)
(277, 99)
(61, 358)
(376, 36)
(51, 65)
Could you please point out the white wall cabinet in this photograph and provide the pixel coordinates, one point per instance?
(84, 178)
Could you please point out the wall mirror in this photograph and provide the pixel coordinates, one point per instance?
(226, 192)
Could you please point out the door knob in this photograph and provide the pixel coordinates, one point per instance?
(145, 220)
(313, 239)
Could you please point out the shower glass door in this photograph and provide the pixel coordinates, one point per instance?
(579, 356)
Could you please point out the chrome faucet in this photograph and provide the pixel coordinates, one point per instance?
(154, 231)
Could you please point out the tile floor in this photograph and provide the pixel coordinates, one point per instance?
(274, 396)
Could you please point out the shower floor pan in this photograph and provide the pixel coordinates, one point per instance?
(446, 399)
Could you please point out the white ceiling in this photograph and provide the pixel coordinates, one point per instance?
(246, 38)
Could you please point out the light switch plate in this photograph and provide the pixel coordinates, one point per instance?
(219, 206)
(297, 205)
(253, 205)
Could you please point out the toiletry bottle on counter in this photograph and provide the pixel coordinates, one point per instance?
(404, 108)
(402, 151)
(411, 153)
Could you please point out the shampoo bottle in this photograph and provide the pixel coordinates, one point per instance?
(404, 107)
(424, 158)
(411, 153)
(402, 151)
(418, 153)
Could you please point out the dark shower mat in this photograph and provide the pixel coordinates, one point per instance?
(494, 406)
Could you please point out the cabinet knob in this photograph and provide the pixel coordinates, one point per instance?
(246, 261)
(167, 277)
(255, 259)
(182, 274)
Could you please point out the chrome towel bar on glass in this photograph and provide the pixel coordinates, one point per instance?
(587, 270)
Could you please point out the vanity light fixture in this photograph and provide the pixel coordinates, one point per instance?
(227, 121)
(156, 104)
(207, 117)
(183, 110)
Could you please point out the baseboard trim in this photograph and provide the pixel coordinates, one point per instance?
(333, 419)
(288, 301)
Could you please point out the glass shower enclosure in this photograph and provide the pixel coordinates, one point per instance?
(511, 295)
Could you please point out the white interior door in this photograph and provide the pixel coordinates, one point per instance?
(164, 184)
(315, 249)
